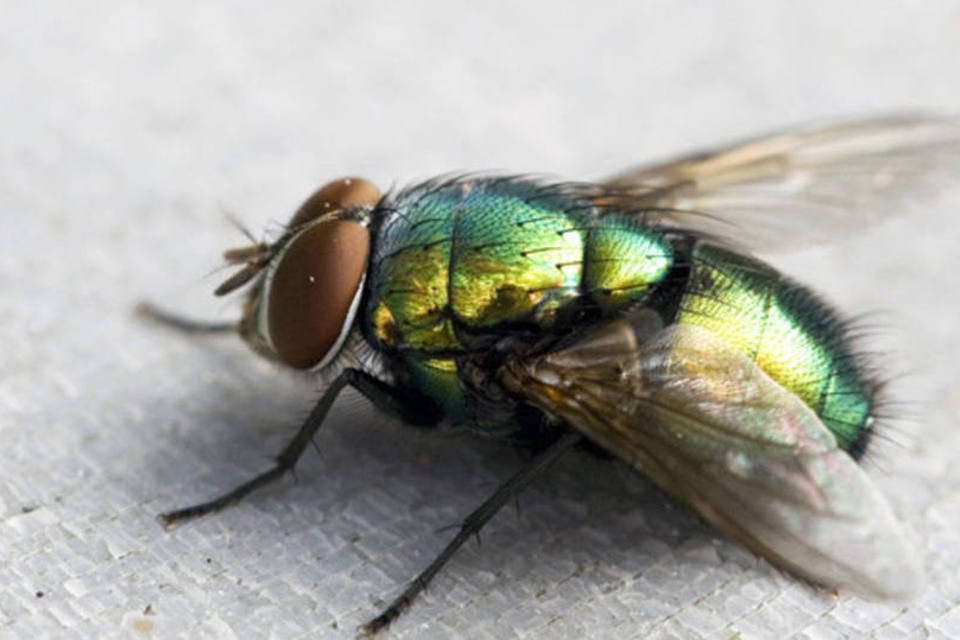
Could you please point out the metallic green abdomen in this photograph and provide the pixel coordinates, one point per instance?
(793, 337)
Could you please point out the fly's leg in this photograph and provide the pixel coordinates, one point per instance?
(284, 462)
(385, 397)
(154, 313)
(408, 405)
(471, 526)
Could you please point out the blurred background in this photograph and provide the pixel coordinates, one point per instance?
(127, 130)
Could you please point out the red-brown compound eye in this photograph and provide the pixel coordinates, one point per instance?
(345, 193)
(310, 295)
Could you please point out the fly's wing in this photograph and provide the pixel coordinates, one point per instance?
(801, 186)
(709, 427)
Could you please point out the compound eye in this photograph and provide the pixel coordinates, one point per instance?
(310, 298)
(345, 193)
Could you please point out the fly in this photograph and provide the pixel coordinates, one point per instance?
(628, 313)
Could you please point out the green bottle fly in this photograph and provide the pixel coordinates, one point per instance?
(459, 264)
(627, 313)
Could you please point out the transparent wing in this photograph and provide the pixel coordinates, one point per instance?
(801, 186)
(710, 428)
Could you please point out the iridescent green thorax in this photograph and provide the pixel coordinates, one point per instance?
(458, 264)
(793, 337)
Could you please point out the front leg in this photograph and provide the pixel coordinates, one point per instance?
(152, 313)
(385, 397)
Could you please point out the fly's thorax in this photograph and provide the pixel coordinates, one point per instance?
(458, 261)
(304, 304)
(463, 266)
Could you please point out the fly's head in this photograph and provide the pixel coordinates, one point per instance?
(308, 283)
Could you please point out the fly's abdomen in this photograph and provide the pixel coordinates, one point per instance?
(792, 336)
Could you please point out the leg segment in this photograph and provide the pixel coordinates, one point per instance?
(381, 394)
(472, 525)
(154, 313)
(408, 405)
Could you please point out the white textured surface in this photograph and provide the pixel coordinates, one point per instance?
(126, 128)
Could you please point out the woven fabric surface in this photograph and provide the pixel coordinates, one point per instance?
(128, 129)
